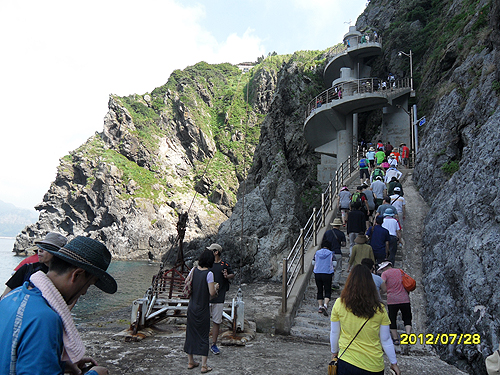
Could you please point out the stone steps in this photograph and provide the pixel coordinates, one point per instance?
(308, 323)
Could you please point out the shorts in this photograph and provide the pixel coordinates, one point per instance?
(216, 312)
(405, 309)
(372, 163)
(364, 172)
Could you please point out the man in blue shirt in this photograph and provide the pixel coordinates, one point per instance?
(379, 240)
(36, 315)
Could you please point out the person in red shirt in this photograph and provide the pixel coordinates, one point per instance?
(397, 155)
(405, 154)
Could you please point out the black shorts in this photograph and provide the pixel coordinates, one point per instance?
(405, 309)
(372, 163)
(364, 172)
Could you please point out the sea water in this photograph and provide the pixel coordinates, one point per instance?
(133, 279)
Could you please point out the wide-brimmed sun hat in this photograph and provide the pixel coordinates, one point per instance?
(91, 256)
(336, 222)
(361, 238)
(215, 246)
(388, 212)
(52, 241)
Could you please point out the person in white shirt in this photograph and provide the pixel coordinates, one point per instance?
(392, 172)
(394, 229)
(399, 203)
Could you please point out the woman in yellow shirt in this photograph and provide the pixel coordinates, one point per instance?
(360, 328)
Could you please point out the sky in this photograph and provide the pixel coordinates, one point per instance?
(60, 60)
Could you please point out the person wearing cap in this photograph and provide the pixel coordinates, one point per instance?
(37, 329)
(52, 241)
(379, 240)
(387, 205)
(397, 298)
(379, 191)
(393, 182)
(392, 225)
(360, 251)
(370, 155)
(378, 171)
(399, 202)
(393, 162)
(222, 275)
(337, 240)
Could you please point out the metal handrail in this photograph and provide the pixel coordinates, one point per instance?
(340, 49)
(293, 264)
(356, 87)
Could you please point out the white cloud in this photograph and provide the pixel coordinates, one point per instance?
(62, 59)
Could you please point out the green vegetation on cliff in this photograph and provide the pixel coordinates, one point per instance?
(438, 38)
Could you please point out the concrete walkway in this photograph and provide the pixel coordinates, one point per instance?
(306, 351)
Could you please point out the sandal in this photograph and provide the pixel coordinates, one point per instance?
(192, 365)
(205, 369)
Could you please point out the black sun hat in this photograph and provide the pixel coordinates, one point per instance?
(91, 256)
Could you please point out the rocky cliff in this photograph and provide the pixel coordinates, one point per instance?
(456, 47)
(175, 149)
(186, 146)
(254, 175)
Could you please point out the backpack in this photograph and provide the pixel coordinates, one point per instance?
(362, 163)
(356, 197)
(409, 282)
(377, 172)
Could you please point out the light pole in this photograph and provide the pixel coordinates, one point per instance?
(410, 55)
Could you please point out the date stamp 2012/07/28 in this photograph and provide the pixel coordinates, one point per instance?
(440, 338)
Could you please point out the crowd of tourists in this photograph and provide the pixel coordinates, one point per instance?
(363, 326)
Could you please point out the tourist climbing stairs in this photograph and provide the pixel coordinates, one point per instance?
(308, 323)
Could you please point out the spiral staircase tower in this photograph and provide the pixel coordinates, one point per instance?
(331, 124)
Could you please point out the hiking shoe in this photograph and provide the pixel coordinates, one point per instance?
(325, 313)
(321, 310)
(215, 349)
(335, 287)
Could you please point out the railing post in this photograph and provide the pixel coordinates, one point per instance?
(302, 250)
(284, 287)
(315, 236)
(322, 209)
(350, 164)
(331, 195)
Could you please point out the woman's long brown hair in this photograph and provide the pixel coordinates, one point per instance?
(360, 293)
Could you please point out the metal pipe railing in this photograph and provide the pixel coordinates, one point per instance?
(356, 87)
(293, 264)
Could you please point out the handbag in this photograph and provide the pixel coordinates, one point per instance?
(409, 282)
(333, 365)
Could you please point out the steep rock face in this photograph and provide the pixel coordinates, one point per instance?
(456, 59)
(283, 171)
(127, 185)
